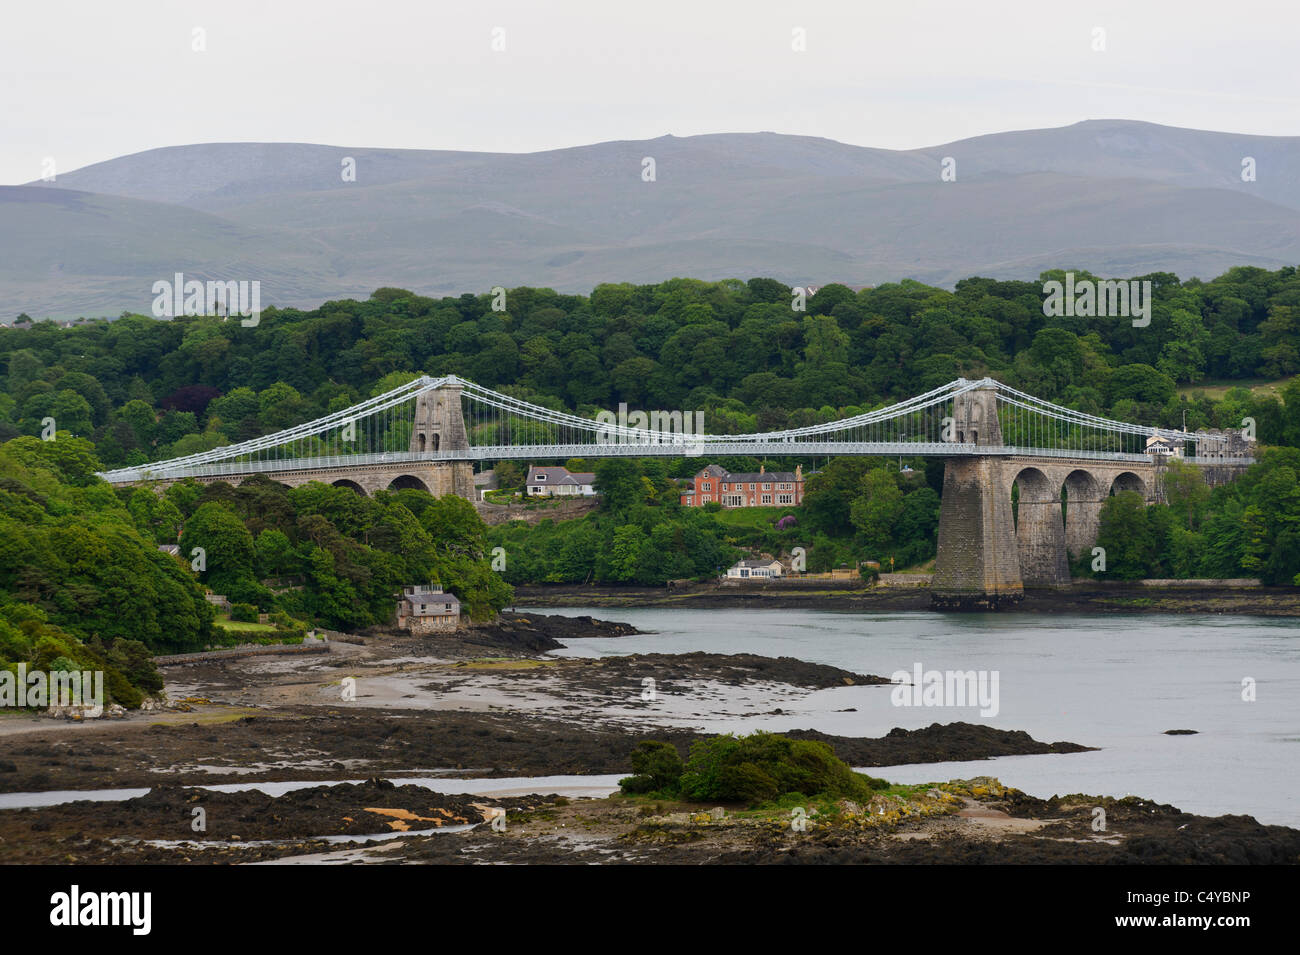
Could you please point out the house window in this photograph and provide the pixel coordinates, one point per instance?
(767, 498)
(767, 487)
(751, 487)
(784, 499)
(706, 486)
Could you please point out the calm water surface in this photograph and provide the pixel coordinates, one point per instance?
(1112, 680)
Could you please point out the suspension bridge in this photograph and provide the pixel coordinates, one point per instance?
(1064, 463)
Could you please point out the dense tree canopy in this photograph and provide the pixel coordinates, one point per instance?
(136, 389)
(143, 390)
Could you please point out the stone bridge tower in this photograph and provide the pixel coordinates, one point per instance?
(975, 418)
(978, 564)
(439, 425)
(439, 430)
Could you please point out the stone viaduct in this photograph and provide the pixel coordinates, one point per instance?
(989, 550)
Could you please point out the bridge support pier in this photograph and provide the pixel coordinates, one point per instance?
(1082, 521)
(978, 564)
(987, 558)
(1040, 532)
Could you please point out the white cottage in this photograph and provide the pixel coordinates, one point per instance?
(749, 569)
(560, 482)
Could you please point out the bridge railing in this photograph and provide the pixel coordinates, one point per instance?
(911, 427)
(344, 463)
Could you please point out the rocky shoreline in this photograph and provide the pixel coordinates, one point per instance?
(492, 703)
(1082, 597)
(969, 822)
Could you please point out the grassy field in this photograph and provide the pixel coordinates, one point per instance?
(1215, 390)
(241, 626)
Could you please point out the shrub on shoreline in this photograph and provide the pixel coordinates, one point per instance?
(754, 769)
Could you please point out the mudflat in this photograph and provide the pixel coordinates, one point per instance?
(490, 703)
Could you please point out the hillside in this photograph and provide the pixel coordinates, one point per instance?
(1114, 197)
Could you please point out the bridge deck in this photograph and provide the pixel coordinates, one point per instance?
(565, 451)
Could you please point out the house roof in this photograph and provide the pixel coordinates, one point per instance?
(559, 475)
(754, 477)
(412, 595)
(756, 563)
(749, 477)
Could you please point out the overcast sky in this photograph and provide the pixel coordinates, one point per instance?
(87, 81)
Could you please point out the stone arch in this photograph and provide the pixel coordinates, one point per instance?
(1128, 481)
(407, 482)
(350, 485)
(1082, 495)
(1040, 529)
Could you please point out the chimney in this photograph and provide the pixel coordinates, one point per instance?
(798, 472)
(762, 469)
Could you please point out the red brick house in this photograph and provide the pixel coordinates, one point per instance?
(762, 488)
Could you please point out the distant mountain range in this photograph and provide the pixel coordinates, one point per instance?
(1116, 197)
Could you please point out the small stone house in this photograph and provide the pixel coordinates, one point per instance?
(425, 609)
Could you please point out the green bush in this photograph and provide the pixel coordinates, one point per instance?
(658, 768)
(755, 769)
(243, 613)
(764, 766)
(221, 637)
(747, 783)
(119, 690)
(136, 663)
